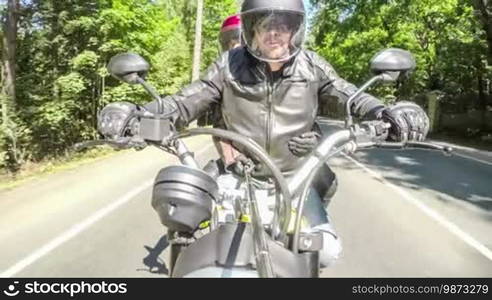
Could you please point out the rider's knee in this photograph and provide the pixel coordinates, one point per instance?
(330, 192)
(326, 185)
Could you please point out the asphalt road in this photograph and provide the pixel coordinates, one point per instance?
(399, 213)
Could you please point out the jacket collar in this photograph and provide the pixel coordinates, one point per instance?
(261, 67)
(248, 69)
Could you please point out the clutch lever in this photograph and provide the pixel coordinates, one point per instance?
(120, 144)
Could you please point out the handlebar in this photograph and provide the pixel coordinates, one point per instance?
(120, 144)
(358, 136)
(350, 140)
(375, 133)
(94, 143)
(417, 145)
(402, 146)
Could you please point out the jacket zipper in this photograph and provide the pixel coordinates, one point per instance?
(270, 88)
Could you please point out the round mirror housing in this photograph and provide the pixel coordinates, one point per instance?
(128, 67)
(394, 63)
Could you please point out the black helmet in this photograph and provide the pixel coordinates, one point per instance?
(273, 30)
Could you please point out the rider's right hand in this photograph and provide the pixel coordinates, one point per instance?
(238, 164)
(117, 120)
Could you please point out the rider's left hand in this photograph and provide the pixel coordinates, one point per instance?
(303, 144)
(409, 122)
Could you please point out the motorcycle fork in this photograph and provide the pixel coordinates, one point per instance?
(176, 245)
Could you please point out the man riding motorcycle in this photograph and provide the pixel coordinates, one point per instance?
(230, 38)
(269, 90)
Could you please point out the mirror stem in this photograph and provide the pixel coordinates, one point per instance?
(348, 119)
(153, 93)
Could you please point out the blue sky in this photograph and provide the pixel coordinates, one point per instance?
(309, 7)
(310, 12)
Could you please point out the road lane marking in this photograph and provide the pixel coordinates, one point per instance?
(472, 158)
(466, 149)
(74, 230)
(454, 229)
(78, 228)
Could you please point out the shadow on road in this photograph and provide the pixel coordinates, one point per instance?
(455, 177)
(152, 261)
(459, 178)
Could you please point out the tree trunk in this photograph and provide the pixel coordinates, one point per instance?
(4, 100)
(482, 100)
(432, 99)
(483, 10)
(198, 41)
(9, 45)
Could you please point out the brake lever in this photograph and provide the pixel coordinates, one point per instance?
(88, 144)
(413, 144)
(121, 144)
(424, 145)
(374, 134)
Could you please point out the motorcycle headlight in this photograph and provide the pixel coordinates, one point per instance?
(183, 197)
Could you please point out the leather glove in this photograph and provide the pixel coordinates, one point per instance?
(303, 144)
(409, 122)
(238, 166)
(117, 120)
(234, 161)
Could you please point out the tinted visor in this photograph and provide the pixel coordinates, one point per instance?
(273, 35)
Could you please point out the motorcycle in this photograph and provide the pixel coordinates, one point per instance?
(230, 226)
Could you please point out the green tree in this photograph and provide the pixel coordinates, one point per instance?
(348, 33)
(63, 48)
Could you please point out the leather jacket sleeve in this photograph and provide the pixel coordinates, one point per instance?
(334, 88)
(195, 99)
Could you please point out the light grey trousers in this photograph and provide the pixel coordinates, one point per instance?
(315, 214)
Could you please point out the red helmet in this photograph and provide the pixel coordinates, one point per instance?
(230, 32)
